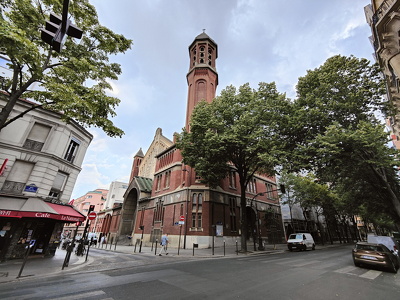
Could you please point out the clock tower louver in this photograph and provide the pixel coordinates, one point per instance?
(202, 77)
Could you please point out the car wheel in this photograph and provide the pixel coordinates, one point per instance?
(290, 249)
(313, 246)
(357, 264)
(392, 267)
(305, 248)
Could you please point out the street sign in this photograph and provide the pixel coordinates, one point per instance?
(182, 218)
(92, 215)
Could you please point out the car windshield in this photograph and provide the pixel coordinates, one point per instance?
(370, 247)
(295, 236)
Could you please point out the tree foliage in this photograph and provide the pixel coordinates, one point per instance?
(238, 130)
(74, 81)
(339, 136)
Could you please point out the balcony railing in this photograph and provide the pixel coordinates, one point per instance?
(33, 145)
(382, 10)
(13, 187)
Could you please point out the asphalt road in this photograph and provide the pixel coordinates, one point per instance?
(320, 274)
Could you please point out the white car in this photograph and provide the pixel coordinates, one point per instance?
(300, 241)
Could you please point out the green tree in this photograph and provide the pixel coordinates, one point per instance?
(238, 130)
(74, 81)
(338, 134)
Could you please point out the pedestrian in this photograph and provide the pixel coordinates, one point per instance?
(164, 243)
(102, 241)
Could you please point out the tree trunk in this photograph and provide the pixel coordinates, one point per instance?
(244, 222)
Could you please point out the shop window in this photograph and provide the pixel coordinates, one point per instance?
(37, 137)
(18, 177)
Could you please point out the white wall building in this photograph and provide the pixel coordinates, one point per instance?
(115, 194)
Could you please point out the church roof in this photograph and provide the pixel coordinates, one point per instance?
(203, 36)
(145, 184)
(139, 153)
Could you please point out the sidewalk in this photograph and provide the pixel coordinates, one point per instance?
(37, 267)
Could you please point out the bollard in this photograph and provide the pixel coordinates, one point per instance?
(116, 241)
(87, 252)
(237, 250)
(155, 251)
(224, 247)
(195, 246)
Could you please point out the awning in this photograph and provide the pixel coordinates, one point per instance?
(37, 208)
(67, 213)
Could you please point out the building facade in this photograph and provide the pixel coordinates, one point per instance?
(383, 16)
(41, 157)
(115, 195)
(97, 198)
(173, 200)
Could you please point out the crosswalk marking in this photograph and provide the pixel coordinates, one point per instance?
(317, 264)
(347, 269)
(82, 296)
(371, 274)
(309, 262)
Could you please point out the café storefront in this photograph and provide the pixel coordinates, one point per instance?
(32, 221)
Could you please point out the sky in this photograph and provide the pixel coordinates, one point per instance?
(258, 41)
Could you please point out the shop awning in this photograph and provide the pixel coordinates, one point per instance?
(67, 213)
(37, 208)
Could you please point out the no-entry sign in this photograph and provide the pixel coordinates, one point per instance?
(92, 215)
(182, 220)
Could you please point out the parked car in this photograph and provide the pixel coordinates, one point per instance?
(377, 255)
(388, 241)
(300, 241)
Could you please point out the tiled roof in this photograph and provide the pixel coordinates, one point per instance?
(145, 184)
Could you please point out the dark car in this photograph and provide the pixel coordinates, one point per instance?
(377, 255)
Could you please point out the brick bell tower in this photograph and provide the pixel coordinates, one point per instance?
(202, 77)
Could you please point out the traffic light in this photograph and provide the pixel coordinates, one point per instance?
(91, 208)
(55, 33)
(79, 223)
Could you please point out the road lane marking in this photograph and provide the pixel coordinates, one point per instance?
(371, 274)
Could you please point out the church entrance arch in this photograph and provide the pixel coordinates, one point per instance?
(129, 209)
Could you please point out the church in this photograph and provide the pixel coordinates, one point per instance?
(166, 196)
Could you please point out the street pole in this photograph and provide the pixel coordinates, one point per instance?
(180, 233)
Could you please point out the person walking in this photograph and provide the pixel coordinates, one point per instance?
(164, 243)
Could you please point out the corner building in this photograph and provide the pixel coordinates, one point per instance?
(171, 199)
(383, 16)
